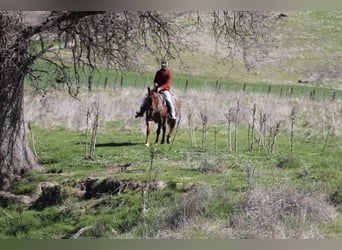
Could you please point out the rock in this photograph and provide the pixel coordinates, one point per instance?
(7, 198)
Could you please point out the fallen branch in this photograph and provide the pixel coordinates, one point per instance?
(80, 232)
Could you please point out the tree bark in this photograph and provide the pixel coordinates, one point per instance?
(16, 158)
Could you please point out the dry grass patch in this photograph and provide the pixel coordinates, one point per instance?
(282, 212)
(58, 109)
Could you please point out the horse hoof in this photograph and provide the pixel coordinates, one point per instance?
(147, 145)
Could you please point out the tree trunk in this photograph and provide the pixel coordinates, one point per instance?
(16, 158)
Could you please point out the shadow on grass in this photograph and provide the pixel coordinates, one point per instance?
(48, 161)
(117, 144)
(113, 144)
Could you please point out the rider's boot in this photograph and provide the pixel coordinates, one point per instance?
(141, 112)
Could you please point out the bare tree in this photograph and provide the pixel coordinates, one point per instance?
(245, 31)
(91, 38)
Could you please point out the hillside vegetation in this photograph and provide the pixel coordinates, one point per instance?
(256, 154)
(307, 46)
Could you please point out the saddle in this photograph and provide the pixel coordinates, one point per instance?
(173, 98)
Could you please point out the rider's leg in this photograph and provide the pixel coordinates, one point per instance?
(168, 99)
(142, 108)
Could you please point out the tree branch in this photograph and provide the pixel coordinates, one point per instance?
(56, 18)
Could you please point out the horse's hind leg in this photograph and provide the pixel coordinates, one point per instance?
(172, 124)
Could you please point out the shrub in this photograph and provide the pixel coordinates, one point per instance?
(336, 198)
(281, 212)
(289, 161)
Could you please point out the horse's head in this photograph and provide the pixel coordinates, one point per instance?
(152, 102)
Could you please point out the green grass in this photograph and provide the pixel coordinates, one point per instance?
(320, 27)
(213, 166)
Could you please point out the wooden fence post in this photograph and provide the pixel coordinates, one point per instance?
(105, 82)
(244, 87)
(121, 81)
(186, 86)
(269, 90)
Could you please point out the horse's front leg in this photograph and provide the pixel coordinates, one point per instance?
(163, 134)
(147, 141)
(158, 132)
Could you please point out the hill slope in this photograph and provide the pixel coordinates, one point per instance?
(307, 47)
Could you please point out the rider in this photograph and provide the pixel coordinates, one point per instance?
(162, 83)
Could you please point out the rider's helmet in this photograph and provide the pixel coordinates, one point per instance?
(164, 63)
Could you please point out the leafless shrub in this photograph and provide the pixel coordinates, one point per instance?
(236, 124)
(262, 131)
(251, 127)
(229, 117)
(189, 215)
(292, 117)
(212, 165)
(191, 129)
(328, 126)
(204, 122)
(282, 212)
(93, 114)
(278, 212)
(193, 204)
(233, 116)
(273, 133)
(335, 198)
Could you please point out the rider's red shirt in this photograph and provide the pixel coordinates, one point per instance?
(163, 78)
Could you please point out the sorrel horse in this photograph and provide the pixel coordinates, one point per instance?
(157, 112)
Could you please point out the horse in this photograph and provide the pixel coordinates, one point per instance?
(158, 112)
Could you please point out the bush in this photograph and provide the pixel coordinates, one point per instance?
(290, 161)
(336, 198)
(281, 212)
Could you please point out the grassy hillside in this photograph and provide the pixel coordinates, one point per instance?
(307, 46)
(310, 47)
